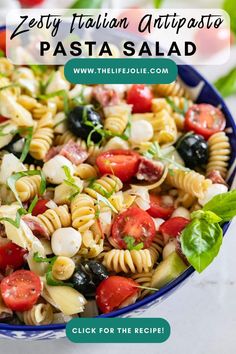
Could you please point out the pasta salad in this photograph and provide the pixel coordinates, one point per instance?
(108, 192)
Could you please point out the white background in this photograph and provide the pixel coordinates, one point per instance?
(202, 314)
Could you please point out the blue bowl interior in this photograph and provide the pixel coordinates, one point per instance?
(207, 95)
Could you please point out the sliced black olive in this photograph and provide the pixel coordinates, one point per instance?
(193, 149)
(82, 120)
(88, 276)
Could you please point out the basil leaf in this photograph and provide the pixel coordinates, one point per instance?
(206, 215)
(223, 205)
(15, 222)
(68, 174)
(32, 204)
(11, 181)
(38, 69)
(2, 54)
(39, 259)
(130, 243)
(61, 93)
(53, 282)
(226, 84)
(27, 142)
(176, 108)
(87, 4)
(157, 3)
(104, 200)
(200, 243)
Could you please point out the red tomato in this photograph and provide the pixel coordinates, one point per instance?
(121, 163)
(204, 119)
(113, 291)
(30, 3)
(140, 96)
(159, 209)
(173, 227)
(136, 223)
(212, 40)
(21, 290)
(3, 41)
(40, 207)
(11, 255)
(2, 118)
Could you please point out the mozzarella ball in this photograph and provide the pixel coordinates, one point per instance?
(181, 212)
(168, 249)
(66, 242)
(116, 143)
(140, 131)
(211, 192)
(53, 169)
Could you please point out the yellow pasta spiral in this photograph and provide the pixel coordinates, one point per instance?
(128, 261)
(28, 187)
(6, 67)
(86, 171)
(143, 279)
(32, 167)
(156, 247)
(53, 219)
(106, 186)
(173, 89)
(42, 138)
(189, 181)
(184, 199)
(117, 117)
(219, 153)
(165, 131)
(40, 314)
(83, 212)
(64, 138)
(92, 244)
(106, 248)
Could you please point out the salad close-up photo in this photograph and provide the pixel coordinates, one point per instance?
(112, 196)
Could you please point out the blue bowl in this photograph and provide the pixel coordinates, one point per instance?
(207, 94)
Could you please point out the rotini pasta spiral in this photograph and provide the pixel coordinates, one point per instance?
(189, 181)
(156, 247)
(53, 219)
(32, 167)
(129, 261)
(117, 117)
(42, 138)
(106, 186)
(92, 244)
(184, 199)
(40, 314)
(28, 187)
(83, 212)
(6, 67)
(86, 171)
(64, 138)
(219, 153)
(145, 280)
(173, 89)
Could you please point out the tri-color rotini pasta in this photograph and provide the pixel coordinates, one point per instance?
(97, 188)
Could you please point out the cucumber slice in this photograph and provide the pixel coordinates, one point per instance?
(168, 270)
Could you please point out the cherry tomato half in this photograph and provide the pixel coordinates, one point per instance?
(40, 207)
(173, 227)
(21, 290)
(204, 119)
(30, 3)
(136, 223)
(113, 291)
(11, 255)
(122, 163)
(3, 41)
(159, 208)
(140, 96)
(2, 118)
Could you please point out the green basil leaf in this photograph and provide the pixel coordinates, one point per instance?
(226, 84)
(200, 243)
(11, 181)
(87, 4)
(28, 139)
(53, 282)
(206, 215)
(2, 54)
(104, 200)
(68, 174)
(38, 69)
(16, 222)
(157, 3)
(223, 205)
(130, 243)
(39, 259)
(61, 93)
(32, 204)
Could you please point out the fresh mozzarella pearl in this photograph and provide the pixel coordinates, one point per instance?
(60, 123)
(168, 249)
(212, 191)
(66, 242)
(116, 143)
(158, 222)
(182, 212)
(53, 169)
(141, 131)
